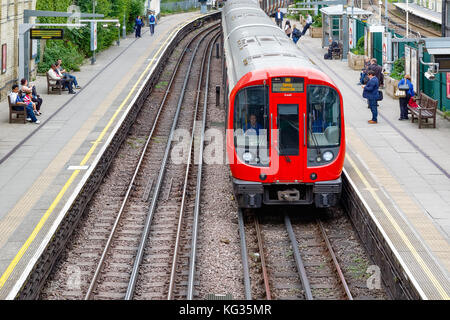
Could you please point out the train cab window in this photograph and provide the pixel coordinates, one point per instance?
(323, 116)
(251, 125)
(288, 129)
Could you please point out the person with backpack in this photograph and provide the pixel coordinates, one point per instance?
(152, 22)
(296, 34)
(138, 25)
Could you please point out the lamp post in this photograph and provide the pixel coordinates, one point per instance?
(93, 12)
(407, 17)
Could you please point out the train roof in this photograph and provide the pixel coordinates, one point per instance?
(253, 42)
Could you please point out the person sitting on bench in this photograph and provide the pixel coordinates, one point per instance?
(64, 74)
(15, 98)
(333, 45)
(54, 75)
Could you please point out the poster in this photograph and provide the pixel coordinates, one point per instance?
(352, 34)
(384, 51)
(407, 60)
(414, 69)
(4, 53)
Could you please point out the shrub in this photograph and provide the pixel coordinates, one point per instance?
(359, 49)
(69, 54)
(398, 70)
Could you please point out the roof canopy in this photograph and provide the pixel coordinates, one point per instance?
(339, 11)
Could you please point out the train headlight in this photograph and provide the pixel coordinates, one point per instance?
(327, 155)
(247, 156)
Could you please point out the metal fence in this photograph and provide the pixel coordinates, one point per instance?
(180, 5)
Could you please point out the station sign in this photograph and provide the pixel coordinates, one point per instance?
(47, 34)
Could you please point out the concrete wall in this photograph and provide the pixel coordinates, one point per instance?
(11, 15)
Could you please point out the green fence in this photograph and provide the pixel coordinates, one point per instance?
(436, 89)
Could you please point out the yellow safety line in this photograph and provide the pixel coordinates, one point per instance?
(55, 202)
(402, 235)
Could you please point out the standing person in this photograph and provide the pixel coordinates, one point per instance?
(378, 70)
(287, 28)
(138, 25)
(309, 22)
(364, 70)
(279, 18)
(404, 101)
(371, 94)
(152, 22)
(296, 34)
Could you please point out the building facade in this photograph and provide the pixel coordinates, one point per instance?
(11, 16)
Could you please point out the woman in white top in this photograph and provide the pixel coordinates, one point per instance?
(287, 28)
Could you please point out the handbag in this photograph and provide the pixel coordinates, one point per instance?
(400, 93)
(380, 95)
(403, 87)
(288, 30)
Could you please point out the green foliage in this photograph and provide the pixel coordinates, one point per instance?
(398, 69)
(359, 49)
(76, 44)
(71, 58)
(317, 21)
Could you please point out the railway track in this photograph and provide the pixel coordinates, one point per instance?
(294, 261)
(146, 204)
(161, 214)
(400, 22)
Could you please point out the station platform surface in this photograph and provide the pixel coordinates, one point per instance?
(421, 12)
(41, 165)
(401, 171)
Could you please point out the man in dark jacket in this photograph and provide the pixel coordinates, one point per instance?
(378, 70)
(279, 18)
(371, 94)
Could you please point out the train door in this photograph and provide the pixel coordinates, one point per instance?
(287, 105)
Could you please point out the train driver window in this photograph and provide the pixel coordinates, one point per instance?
(323, 116)
(251, 124)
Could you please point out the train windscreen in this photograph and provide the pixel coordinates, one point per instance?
(324, 116)
(288, 129)
(251, 125)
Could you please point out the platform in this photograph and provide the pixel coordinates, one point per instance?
(43, 167)
(402, 173)
(421, 12)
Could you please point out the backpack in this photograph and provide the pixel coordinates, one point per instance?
(152, 18)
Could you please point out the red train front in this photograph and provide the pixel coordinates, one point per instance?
(285, 125)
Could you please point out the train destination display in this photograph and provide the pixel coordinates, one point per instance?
(287, 84)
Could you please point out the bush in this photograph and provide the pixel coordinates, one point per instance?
(398, 70)
(71, 58)
(317, 21)
(359, 49)
(76, 44)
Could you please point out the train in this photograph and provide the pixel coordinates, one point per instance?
(285, 132)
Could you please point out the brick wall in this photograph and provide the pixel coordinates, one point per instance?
(11, 15)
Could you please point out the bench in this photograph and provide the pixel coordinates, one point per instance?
(21, 112)
(426, 110)
(52, 86)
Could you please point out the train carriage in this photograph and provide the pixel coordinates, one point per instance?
(285, 122)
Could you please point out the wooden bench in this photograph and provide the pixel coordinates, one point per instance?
(21, 112)
(52, 86)
(426, 110)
